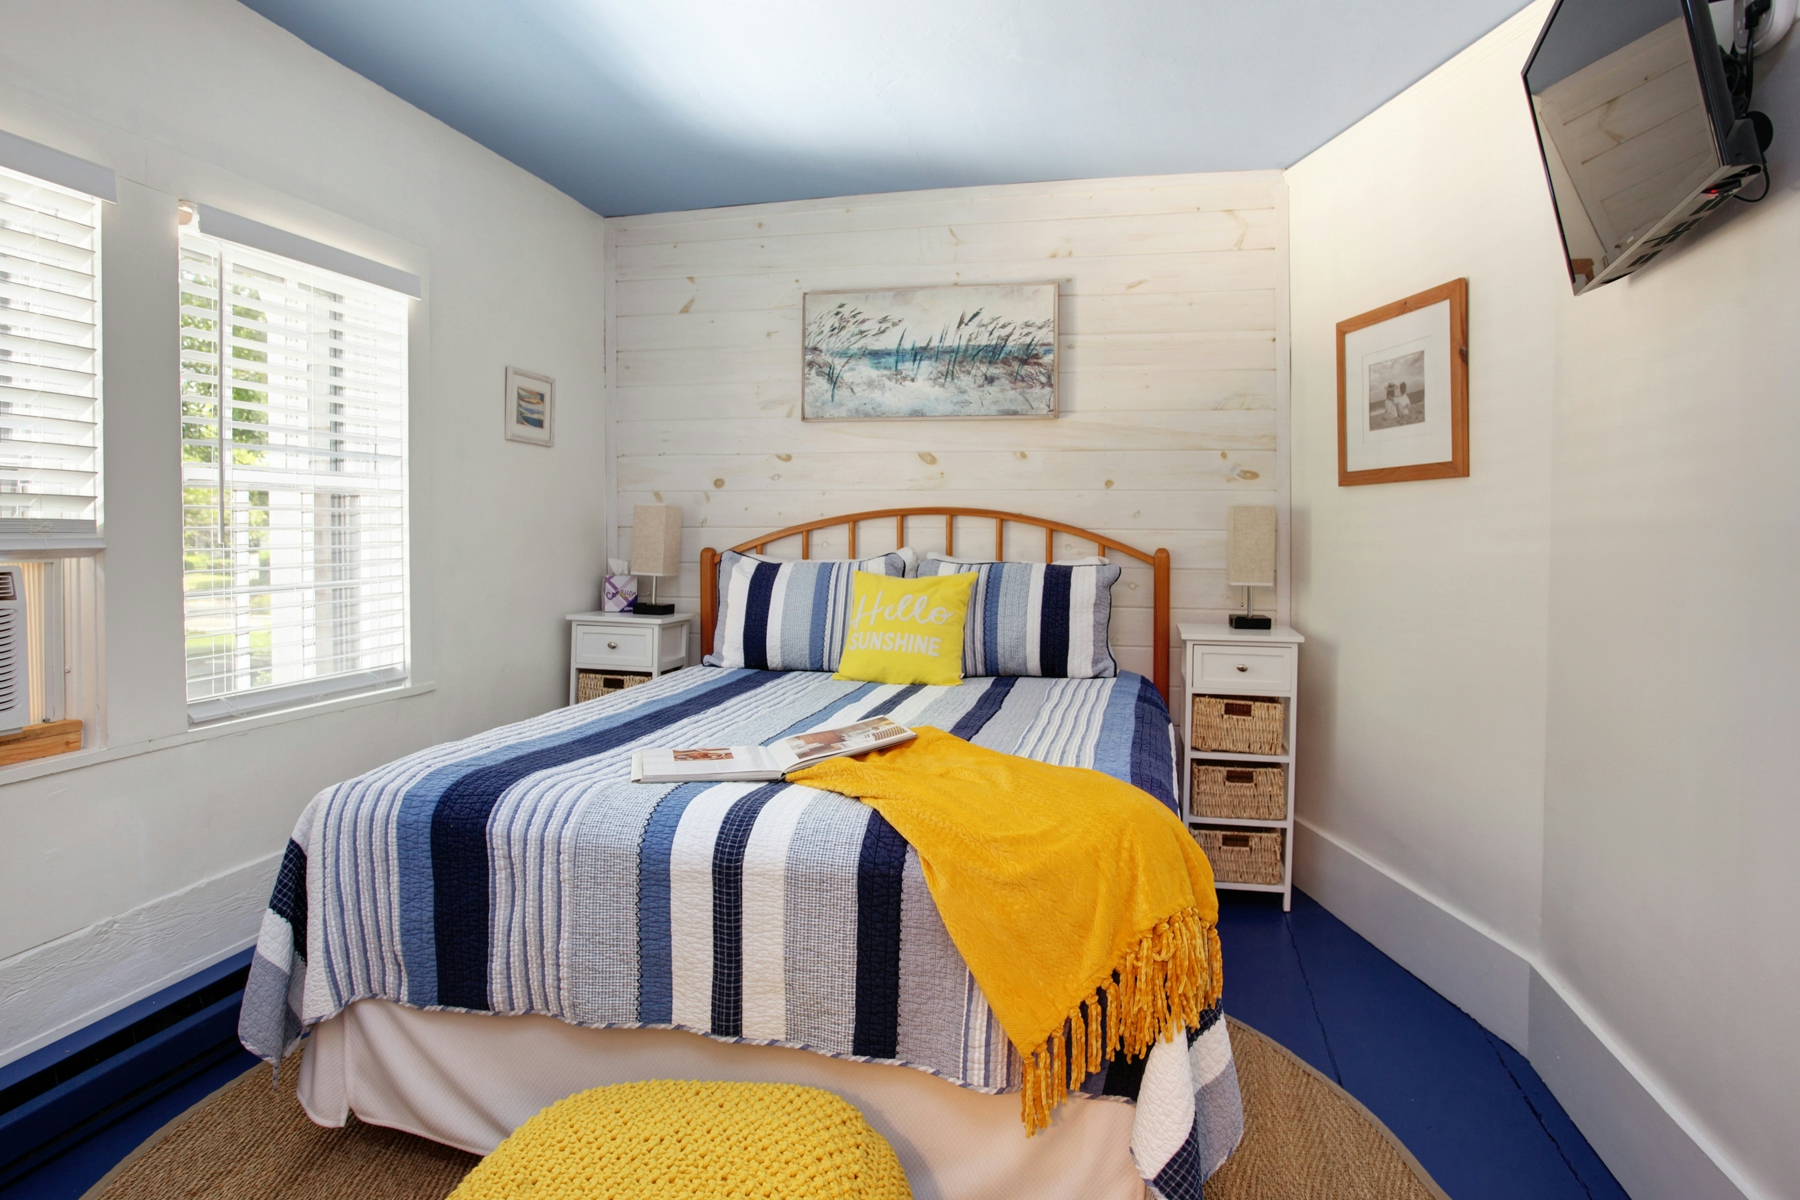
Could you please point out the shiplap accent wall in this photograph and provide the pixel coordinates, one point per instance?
(1171, 383)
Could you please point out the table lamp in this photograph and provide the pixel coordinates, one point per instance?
(656, 550)
(1249, 558)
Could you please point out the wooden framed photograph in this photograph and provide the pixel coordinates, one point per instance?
(985, 350)
(1403, 389)
(530, 407)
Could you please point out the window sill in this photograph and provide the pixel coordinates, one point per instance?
(206, 713)
(77, 759)
(43, 740)
(49, 545)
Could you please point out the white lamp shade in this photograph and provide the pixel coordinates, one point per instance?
(1250, 546)
(656, 539)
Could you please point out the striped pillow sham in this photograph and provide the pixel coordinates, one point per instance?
(1036, 618)
(909, 558)
(787, 616)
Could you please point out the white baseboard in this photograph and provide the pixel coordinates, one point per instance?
(52, 990)
(1469, 965)
(1654, 1148)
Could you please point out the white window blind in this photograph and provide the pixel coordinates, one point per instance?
(293, 447)
(49, 360)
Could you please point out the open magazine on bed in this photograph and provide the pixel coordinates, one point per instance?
(731, 764)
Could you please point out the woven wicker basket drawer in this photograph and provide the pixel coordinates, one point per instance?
(1240, 725)
(1240, 791)
(1243, 855)
(591, 685)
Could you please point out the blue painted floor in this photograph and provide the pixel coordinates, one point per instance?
(77, 1169)
(1467, 1105)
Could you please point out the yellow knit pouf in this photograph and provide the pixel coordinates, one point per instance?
(712, 1141)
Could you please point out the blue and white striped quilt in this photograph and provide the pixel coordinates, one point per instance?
(519, 871)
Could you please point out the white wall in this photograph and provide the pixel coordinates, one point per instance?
(1548, 759)
(1424, 603)
(1672, 808)
(1169, 376)
(154, 857)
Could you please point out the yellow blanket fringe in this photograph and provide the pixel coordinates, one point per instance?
(1082, 906)
(1163, 985)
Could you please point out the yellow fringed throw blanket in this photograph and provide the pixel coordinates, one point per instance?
(1060, 886)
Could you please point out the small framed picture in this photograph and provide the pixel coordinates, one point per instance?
(530, 406)
(1403, 389)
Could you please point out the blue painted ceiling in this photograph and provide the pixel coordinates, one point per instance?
(637, 106)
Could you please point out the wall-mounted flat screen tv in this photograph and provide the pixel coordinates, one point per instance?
(1637, 128)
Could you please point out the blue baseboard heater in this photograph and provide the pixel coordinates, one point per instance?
(53, 1098)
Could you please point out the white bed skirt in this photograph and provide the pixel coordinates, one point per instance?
(468, 1080)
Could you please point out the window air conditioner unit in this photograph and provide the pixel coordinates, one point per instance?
(15, 686)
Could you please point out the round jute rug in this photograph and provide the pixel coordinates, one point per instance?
(1305, 1138)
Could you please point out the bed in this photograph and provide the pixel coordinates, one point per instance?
(481, 928)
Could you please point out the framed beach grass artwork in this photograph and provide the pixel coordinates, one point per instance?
(986, 350)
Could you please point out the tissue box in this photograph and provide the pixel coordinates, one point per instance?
(618, 593)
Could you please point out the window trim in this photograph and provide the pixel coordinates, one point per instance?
(229, 227)
(60, 545)
(97, 754)
(244, 704)
(56, 166)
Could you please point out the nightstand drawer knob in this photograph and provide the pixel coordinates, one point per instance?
(615, 646)
(1242, 667)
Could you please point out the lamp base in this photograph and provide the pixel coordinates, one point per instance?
(1238, 621)
(645, 608)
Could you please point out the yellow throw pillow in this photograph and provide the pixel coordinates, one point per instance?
(906, 630)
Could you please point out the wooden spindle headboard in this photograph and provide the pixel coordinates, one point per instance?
(1158, 560)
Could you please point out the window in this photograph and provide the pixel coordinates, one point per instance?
(293, 476)
(49, 361)
(50, 469)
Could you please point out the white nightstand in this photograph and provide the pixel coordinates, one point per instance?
(1243, 669)
(621, 649)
